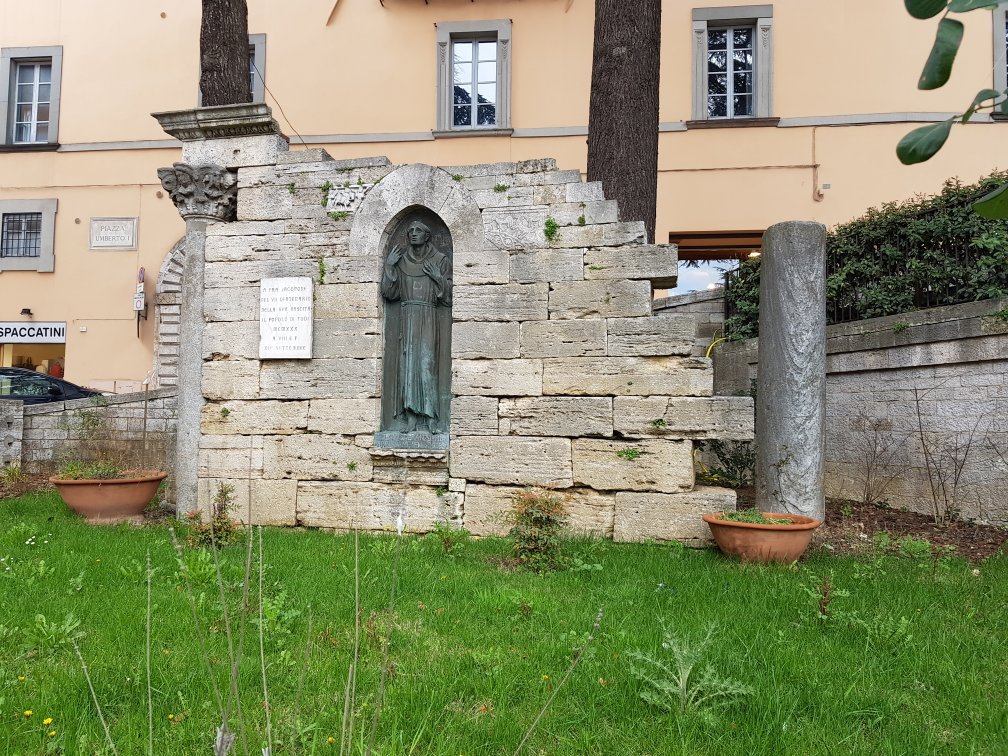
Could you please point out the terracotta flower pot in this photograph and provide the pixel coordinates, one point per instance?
(752, 542)
(113, 500)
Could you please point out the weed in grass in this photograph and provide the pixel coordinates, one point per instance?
(677, 680)
(538, 517)
(451, 537)
(11, 474)
(221, 530)
(46, 636)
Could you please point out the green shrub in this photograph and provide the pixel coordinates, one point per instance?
(539, 517)
(221, 530)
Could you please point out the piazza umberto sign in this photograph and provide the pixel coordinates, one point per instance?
(113, 233)
(32, 333)
(285, 318)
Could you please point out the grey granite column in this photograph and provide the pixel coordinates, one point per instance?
(791, 376)
(202, 194)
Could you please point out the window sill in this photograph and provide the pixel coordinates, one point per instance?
(12, 265)
(732, 123)
(46, 147)
(471, 133)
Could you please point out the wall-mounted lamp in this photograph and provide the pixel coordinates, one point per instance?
(26, 312)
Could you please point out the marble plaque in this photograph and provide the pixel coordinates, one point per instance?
(113, 233)
(285, 318)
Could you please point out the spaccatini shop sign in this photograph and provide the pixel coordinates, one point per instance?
(32, 333)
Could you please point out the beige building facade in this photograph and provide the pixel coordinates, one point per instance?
(785, 110)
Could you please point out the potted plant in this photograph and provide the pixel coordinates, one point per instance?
(102, 492)
(755, 536)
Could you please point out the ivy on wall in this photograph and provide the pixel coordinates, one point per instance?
(900, 257)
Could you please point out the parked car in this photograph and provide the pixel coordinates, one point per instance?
(31, 387)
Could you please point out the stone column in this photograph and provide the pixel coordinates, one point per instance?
(216, 142)
(791, 376)
(202, 194)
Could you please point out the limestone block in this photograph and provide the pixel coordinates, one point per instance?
(410, 468)
(478, 339)
(488, 510)
(511, 197)
(480, 169)
(229, 274)
(563, 338)
(516, 228)
(273, 501)
(658, 335)
(556, 416)
(231, 379)
(475, 265)
(298, 157)
(319, 379)
(587, 192)
(457, 485)
(344, 416)
(228, 304)
(497, 377)
(724, 417)
(474, 416)
(374, 506)
(245, 228)
(540, 178)
(235, 152)
(231, 340)
(254, 418)
(657, 263)
(347, 337)
(513, 460)
(232, 457)
(361, 300)
(628, 376)
(669, 517)
(347, 269)
(264, 203)
(663, 466)
(600, 235)
(508, 302)
(314, 456)
(550, 194)
(245, 248)
(547, 265)
(571, 213)
(585, 299)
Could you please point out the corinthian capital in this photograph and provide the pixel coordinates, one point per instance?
(207, 192)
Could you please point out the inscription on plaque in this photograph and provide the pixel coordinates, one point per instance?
(113, 233)
(285, 318)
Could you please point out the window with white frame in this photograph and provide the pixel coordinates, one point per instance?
(1001, 52)
(27, 235)
(732, 62)
(30, 98)
(474, 77)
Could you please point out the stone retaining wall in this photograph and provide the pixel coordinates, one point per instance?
(44, 435)
(562, 375)
(952, 363)
(706, 307)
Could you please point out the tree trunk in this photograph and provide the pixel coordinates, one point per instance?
(623, 112)
(224, 53)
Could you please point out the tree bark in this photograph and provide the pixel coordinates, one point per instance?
(224, 53)
(623, 111)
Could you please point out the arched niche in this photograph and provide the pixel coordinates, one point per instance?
(416, 288)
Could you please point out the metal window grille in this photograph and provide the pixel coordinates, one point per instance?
(474, 83)
(730, 72)
(21, 235)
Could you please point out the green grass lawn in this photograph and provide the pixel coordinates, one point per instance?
(477, 651)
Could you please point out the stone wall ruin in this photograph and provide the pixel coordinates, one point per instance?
(561, 374)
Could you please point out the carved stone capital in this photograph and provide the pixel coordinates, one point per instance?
(201, 191)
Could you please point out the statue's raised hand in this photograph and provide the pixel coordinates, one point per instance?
(430, 268)
(394, 256)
